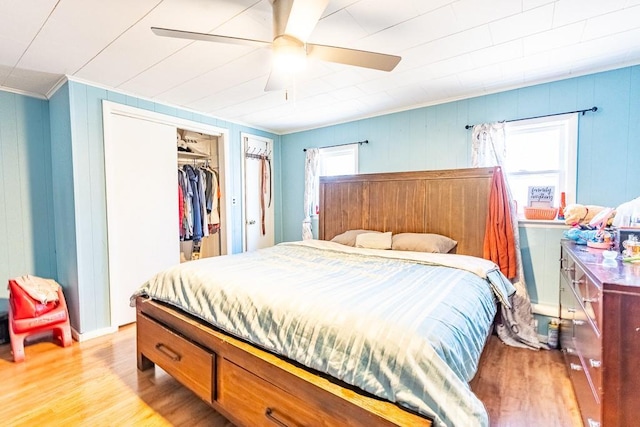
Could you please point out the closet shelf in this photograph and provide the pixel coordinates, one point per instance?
(188, 155)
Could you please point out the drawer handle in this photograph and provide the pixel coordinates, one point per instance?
(162, 348)
(578, 322)
(589, 300)
(595, 363)
(571, 310)
(577, 282)
(570, 350)
(593, 423)
(269, 414)
(575, 367)
(569, 268)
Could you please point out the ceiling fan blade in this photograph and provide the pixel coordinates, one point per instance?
(297, 18)
(278, 80)
(359, 58)
(166, 32)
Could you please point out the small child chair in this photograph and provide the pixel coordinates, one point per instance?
(57, 320)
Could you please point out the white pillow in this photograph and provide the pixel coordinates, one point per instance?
(349, 237)
(422, 242)
(374, 240)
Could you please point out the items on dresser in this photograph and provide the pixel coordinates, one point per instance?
(600, 334)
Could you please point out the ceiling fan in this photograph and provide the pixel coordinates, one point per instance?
(293, 22)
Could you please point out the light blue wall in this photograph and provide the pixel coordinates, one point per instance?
(64, 200)
(27, 239)
(435, 138)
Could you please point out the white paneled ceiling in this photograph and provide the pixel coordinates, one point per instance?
(449, 49)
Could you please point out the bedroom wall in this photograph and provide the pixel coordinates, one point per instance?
(27, 239)
(435, 138)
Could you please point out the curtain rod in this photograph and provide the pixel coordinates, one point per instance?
(594, 109)
(366, 141)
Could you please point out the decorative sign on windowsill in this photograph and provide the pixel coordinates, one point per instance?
(540, 196)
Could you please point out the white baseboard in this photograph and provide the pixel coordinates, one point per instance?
(93, 334)
(545, 310)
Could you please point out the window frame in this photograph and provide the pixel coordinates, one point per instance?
(326, 153)
(568, 157)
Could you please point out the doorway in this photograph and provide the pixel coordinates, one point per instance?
(257, 188)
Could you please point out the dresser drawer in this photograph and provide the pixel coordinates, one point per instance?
(593, 303)
(567, 265)
(589, 406)
(589, 346)
(579, 283)
(187, 362)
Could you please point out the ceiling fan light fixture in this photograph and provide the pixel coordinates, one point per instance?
(289, 54)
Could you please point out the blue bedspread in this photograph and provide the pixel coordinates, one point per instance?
(402, 329)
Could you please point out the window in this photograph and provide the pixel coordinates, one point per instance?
(543, 152)
(341, 160)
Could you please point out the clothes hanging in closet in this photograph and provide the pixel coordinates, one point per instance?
(200, 201)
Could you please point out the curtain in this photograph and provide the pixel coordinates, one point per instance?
(502, 240)
(310, 184)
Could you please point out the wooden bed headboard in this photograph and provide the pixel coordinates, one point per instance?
(453, 202)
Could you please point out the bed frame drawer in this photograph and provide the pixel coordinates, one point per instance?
(185, 361)
(255, 402)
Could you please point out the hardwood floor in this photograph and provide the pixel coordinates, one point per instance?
(96, 383)
(520, 387)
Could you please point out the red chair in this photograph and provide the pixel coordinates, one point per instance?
(56, 320)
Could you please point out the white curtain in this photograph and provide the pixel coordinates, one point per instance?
(517, 326)
(310, 183)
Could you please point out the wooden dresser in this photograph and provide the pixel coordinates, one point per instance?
(600, 334)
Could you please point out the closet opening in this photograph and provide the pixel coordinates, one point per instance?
(199, 195)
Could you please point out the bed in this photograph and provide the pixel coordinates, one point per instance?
(319, 333)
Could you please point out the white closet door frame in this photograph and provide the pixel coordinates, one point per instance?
(117, 270)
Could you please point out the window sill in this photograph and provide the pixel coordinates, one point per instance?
(550, 223)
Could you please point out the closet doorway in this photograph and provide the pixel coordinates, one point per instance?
(199, 172)
(257, 187)
(142, 197)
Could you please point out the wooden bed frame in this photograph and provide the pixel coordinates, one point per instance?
(253, 387)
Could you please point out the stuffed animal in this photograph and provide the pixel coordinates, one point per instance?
(577, 214)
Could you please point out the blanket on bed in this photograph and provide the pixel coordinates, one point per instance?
(407, 327)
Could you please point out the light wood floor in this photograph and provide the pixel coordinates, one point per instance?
(96, 383)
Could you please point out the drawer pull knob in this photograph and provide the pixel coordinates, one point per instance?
(578, 322)
(593, 423)
(162, 348)
(595, 363)
(269, 414)
(575, 367)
